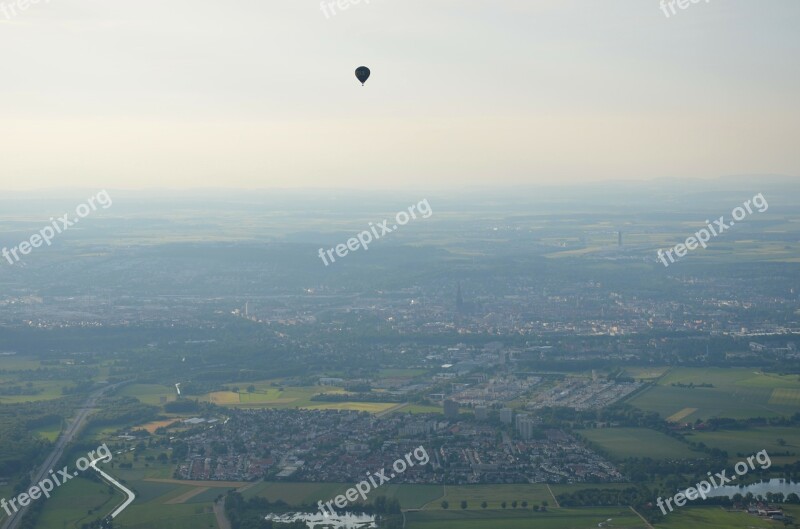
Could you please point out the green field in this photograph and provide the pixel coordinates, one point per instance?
(297, 493)
(70, 505)
(713, 518)
(159, 516)
(141, 469)
(371, 407)
(646, 373)
(621, 443)
(49, 390)
(149, 393)
(102, 432)
(410, 496)
(738, 393)
(50, 431)
(748, 442)
(18, 362)
(78, 501)
(584, 518)
(419, 408)
(266, 395)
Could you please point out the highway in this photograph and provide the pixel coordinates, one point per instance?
(63, 441)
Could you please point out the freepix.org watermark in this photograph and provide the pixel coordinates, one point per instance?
(365, 487)
(62, 224)
(56, 479)
(682, 4)
(364, 238)
(718, 227)
(329, 8)
(10, 9)
(704, 487)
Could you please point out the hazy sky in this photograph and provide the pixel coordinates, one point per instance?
(261, 93)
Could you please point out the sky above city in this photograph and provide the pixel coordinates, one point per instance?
(262, 94)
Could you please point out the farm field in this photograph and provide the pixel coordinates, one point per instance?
(646, 373)
(268, 396)
(420, 408)
(14, 362)
(49, 390)
(154, 515)
(737, 393)
(152, 426)
(50, 431)
(188, 505)
(748, 442)
(620, 443)
(371, 407)
(102, 432)
(149, 393)
(163, 504)
(78, 501)
(410, 496)
(583, 518)
(712, 518)
(141, 470)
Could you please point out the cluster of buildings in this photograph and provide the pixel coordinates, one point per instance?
(583, 393)
(765, 510)
(499, 389)
(518, 305)
(341, 446)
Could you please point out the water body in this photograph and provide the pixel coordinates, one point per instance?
(773, 486)
(318, 521)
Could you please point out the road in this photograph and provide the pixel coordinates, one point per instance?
(642, 517)
(219, 512)
(66, 437)
(120, 486)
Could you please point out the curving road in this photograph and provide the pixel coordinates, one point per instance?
(66, 437)
(120, 486)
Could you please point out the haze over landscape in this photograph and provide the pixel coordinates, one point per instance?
(253, 94)
(541, 270)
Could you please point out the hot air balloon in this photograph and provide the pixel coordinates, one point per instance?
(362, 74)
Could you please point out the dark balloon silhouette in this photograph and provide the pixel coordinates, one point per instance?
(362, 74)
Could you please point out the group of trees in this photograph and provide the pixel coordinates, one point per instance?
(504, 504)
(117, 410)
(20, 446)
(182, 406)
(250, 514)
(640, 497)
(691, 385)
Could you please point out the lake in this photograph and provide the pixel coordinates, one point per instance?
(773, 486)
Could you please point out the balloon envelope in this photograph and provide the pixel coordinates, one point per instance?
(362, 74)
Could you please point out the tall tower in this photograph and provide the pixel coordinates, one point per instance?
(619, 238)
(459, 299)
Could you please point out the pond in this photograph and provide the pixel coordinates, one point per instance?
(773, 486)
(318, 521)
